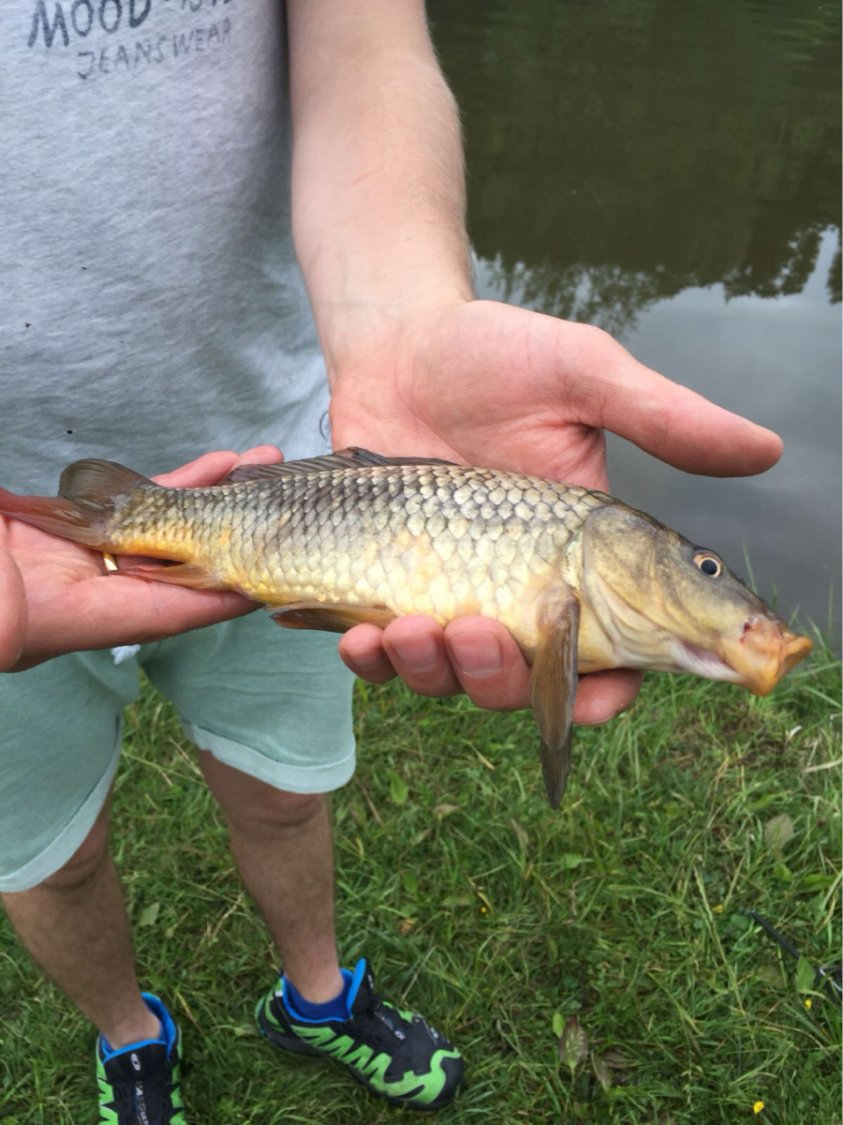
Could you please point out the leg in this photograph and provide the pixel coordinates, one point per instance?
(281, 842)
(74, 925)
(271, 709)
(275, 705)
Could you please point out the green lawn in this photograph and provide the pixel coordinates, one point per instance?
(615, 923)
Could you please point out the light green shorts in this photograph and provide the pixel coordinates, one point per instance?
(274, 703)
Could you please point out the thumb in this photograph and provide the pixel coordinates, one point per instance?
(614, 391)
(210, 468)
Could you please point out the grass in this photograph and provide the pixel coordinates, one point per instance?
(593, 965)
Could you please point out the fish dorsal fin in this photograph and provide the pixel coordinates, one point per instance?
(366, 457)
(351, 458)
(553, 686)
(99, 482)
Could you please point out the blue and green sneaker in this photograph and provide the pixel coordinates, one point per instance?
(395, 1054)
(139, 1083)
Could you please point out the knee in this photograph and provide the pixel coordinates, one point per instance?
(254, 806)
(269, 810)
(85, 861)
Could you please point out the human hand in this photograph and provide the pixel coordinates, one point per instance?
(56, 597)
(12, 612)
(490, 384)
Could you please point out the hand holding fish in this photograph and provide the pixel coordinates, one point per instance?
(12, 612)
(55, 598)
(419, 367)
(489, 384)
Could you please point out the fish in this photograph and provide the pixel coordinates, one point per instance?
(581, 580)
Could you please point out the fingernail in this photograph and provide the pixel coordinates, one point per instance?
(477, 656)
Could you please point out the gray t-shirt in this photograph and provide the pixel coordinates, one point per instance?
(150, 304)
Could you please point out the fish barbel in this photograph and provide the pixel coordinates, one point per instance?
(581, 580)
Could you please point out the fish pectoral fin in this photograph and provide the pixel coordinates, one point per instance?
(335, 618)
(180, 574)
(553, 686)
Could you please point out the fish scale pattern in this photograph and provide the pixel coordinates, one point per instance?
(359, 537)
(435, 539)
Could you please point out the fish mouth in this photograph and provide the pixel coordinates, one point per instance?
(704, 662)
(765, 651)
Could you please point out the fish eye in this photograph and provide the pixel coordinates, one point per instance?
(709, 564)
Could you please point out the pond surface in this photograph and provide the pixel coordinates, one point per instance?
(670, 171)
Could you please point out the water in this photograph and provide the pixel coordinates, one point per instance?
(670, 171)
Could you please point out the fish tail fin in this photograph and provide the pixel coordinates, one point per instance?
(83, 510)
(66, 518)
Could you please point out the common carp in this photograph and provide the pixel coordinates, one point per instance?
(582, 581)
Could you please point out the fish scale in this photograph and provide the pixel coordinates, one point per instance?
(443, 547)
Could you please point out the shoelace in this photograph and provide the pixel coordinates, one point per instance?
(149, 1096)
(393, 1025)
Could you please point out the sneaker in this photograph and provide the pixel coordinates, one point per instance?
(139, 1083)
(395, 1054)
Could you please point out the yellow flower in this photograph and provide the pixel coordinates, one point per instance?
(757, 1107)
(718, 909)
(808, 1002)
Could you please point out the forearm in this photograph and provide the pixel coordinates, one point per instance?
(378, 184)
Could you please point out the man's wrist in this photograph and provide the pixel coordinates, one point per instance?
(382, 336)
